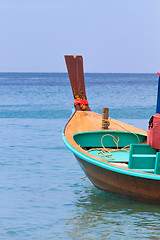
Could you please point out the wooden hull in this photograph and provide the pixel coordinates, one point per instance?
(130, 187)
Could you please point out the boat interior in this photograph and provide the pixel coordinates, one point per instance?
(123, 149)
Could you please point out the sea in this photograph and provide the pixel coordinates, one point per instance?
(43, 192)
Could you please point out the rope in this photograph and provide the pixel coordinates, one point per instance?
(126, 130)
(105, 152)
(105, 123)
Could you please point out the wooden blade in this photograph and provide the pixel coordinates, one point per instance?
(76, 75)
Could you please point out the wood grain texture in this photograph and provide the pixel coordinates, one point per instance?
(87, 121)
(130, 187)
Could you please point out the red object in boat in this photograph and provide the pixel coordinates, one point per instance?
(153, 134)
(158, 73)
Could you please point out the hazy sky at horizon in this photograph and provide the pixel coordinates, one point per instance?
(112, 36)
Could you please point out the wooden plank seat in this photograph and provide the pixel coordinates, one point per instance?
(144, 158)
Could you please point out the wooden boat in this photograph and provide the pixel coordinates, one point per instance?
(133, 172)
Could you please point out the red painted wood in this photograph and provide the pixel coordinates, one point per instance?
(76, 75)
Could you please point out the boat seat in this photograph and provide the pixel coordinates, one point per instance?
(157, 163)
(142, 157)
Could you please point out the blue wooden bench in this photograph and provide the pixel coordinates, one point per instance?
(144, 158)
(157, 163)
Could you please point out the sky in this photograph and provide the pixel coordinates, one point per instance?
(113, 36)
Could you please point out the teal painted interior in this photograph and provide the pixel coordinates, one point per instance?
(141, 156)
(107, 166)
(120, 156)
(157, 164)
(93, 139)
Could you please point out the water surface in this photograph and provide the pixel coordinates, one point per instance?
(43, 194)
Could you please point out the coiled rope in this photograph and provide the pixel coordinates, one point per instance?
(105, 152)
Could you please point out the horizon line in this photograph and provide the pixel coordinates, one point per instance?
(84, 72)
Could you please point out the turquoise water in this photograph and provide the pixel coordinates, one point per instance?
(43, 194)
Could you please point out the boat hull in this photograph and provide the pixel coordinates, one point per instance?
(84, 134)
(131, 187)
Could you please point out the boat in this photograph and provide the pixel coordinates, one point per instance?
(114, 155)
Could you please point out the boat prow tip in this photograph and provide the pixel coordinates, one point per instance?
(76, 75)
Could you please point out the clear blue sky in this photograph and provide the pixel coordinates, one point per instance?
(111, 35)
